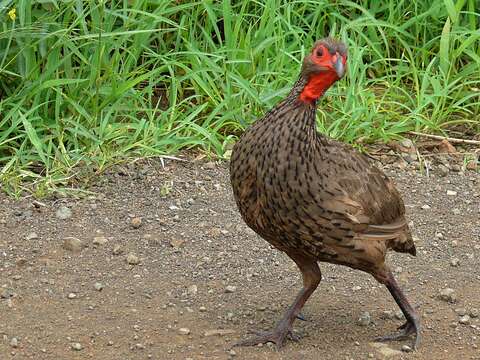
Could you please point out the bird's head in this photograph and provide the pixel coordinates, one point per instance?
(322, 67)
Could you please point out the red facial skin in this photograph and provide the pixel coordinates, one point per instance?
(320, 81)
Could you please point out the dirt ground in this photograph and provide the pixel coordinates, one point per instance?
(156, 263)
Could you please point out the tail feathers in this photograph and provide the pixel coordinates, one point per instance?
(397, 235)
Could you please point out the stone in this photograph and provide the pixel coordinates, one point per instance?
(464, 320)
(399, 315)
(76, 346)
(472, 165)
(218, 332)
(455, 262)
(451, 193)
(425, 207)
(132, 259)
(387, 315)
(230, 289)
(406, 348)
(365, 319)
(14, 342)
(63, 213)
(474, 313)
(98, 286)
(446, 147)
(385, 351)
(117, 250)
(31, 236)
(6, 294)
(448, 295)
(442, 170)
(192, 290)
(177, 243)
(461, 311)
(408, 144)
(136, 222)
(73, 244)
(184, 331)
(99, 240)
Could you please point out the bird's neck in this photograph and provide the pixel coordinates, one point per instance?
(309, 88)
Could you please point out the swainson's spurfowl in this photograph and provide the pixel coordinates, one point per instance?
(316, 199)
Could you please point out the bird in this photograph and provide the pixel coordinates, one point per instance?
(317, 199)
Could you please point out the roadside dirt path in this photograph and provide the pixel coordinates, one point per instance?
(203, 279)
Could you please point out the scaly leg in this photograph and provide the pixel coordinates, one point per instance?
(311, 278)
(412, 325)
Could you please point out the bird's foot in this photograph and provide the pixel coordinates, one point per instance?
(406, 330)
(277, 336)
(300, 316)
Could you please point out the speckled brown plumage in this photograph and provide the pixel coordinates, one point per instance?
(314, 198)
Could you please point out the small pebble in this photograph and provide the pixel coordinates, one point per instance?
(117, 250)
(14, 342)
(365, 319)
(32, 236)
(461, 311)
(73, 244)
(464, 320)
(133, 259)
(76, 346)
(451, 193)
(455, 262)
(72, 295)
(63, 213)
(192, 289)
(230, 289)
(98, 286)
(136, 222)
(425, 207)
(387, 315)
(399, 315)
(442, 170)
(448, 295)
(474, 313)
(184, 331)
(406, 348)
(100, 240)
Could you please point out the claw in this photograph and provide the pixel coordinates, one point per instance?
(301, 317)
(407, 329)
(278, 337)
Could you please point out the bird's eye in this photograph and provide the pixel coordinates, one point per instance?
(320, 52)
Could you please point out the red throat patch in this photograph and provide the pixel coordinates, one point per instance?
(317, 85)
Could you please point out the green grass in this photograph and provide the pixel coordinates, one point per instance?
(84, 84)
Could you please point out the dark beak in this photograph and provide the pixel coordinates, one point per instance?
(339, 67)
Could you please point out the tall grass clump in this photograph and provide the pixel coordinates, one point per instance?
(86, 83)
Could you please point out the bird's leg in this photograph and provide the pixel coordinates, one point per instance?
(311, 278)
(412, 325)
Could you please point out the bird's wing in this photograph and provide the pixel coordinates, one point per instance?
(367, 201)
